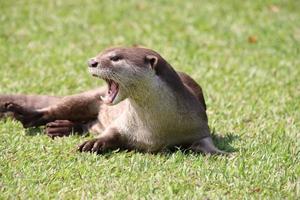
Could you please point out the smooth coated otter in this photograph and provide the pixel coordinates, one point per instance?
(147, 106)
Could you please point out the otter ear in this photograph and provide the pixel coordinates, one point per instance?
(152, 60)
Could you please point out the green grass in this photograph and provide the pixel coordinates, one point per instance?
(252, 92)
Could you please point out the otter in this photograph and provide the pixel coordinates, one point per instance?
(146, 106)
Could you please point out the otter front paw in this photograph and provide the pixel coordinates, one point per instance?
(93, 146)
(110, 140)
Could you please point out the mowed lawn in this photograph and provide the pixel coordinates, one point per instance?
(245, 55)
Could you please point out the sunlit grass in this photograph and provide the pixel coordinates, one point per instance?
(245, 54)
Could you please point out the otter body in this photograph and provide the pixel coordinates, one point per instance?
(147, 106)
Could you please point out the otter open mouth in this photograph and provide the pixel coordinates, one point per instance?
(112, 91)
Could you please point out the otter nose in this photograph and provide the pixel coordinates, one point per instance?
(93, 63)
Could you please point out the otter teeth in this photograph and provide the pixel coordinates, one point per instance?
(102, 98)
(106, 99)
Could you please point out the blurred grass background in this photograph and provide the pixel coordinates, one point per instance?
(245, 55)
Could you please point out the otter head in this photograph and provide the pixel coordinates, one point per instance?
(129, 72)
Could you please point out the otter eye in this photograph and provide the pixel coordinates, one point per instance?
(115, 58)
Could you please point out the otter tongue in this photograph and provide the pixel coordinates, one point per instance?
(111, 92)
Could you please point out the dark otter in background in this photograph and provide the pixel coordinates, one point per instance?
(147, 106)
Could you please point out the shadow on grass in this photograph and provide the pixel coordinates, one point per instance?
(7, 117)
(224, 142)
(34, 131)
